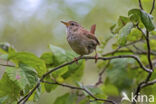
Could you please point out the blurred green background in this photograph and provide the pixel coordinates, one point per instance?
(30, 25)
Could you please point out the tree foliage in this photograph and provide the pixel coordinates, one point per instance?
(27, 75)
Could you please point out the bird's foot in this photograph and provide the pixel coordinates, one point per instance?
(76, 60)
(96, 58)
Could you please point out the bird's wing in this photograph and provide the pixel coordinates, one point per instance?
(90, 36)
(93, 28)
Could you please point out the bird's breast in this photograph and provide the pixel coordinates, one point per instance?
(76, 43)
(73, 39)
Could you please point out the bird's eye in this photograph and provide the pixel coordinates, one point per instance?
(72, 24)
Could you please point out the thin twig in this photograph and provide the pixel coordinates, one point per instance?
(149, 50)
(144, 35)
(140, 50)
(26, 97)
(101, 73)
(150, 65)
(136, 67)
(140, 5)
(148, 83)
(153, 6)
(7, 65)
(144, 83)
(129, 44)
(79, 88)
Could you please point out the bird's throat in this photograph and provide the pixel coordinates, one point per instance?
(72, 30)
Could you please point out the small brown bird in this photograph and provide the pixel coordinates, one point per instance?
(80, 40)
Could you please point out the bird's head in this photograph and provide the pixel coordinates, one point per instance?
(71, 25)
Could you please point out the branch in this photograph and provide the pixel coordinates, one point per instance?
(140, 5)
(144, 35)
(79, 88)
(101, 73)
(116, 50)
(141, 52)
(153, 6)
(7, 65)
(100, 58)
(26, 97)
(121, 56)
(136, 67)
(148, 83)
(149, 50)
(150, 65)
(144, 83)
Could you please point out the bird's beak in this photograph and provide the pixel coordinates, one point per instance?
(65, 23)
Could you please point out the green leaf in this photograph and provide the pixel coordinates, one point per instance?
(48, 58)
(84, 101)
(68, 98)
(134, 15)
(59, 54)
(119, 70)
(123, 33)
(122, 21)
(49, 87)
(153, 32)
(60, 72)
(75, 71)
(96, 92)
(59, 79)
(134, 35)
(10, 89)
(24, 76)
(112, 29)
(3, 99)
(101, 64)
(70, 55)
(31, 60)
(145, 18)
(152, 43)
(96, 102)
(113, 91)
(37, 94)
